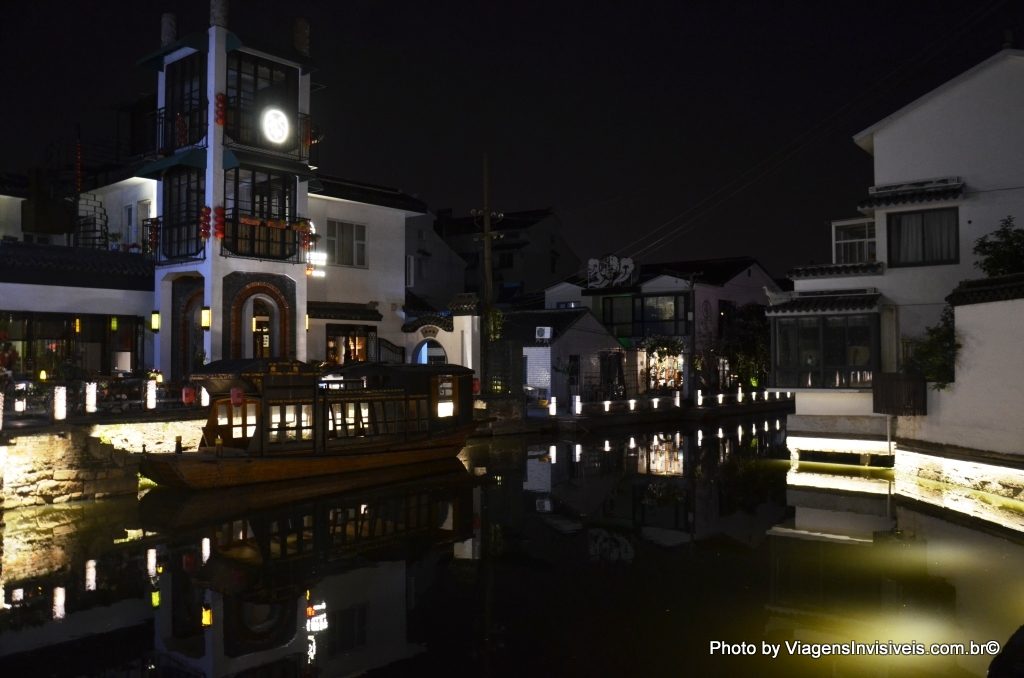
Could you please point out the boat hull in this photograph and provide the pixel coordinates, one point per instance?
(207, 470)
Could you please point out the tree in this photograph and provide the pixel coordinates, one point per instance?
(1001, 252)
(746, 342)
(934, 356)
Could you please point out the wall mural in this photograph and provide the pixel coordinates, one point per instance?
(610, 271)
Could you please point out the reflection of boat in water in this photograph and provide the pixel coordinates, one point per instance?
(314, 577)
(271, 421)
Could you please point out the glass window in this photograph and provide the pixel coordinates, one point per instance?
(345, 244)
(618, 315)
(855, 243)
(824, 351)
(923, 238)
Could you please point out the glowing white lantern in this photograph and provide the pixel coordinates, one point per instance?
(58, 602)
(632, 404)
(204, 397)
(607, 405)
(553, 406)
(90, 575)
(721, 398)
(553, 453)
(739, 394)
(205, 548)
(577, 404)
(654, 403)
(90, 397)
(151, 394)
(60, 402)
(579, 452)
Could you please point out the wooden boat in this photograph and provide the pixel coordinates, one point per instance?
(273, 420)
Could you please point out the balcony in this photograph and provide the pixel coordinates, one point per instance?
(254, 237)
(173, 239)
(899, 394)
(162, 132)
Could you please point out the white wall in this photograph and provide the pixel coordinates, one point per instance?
(834, 402)
(971, 128)
(461, 345)
(587, 338)
(982, 408)
(57, 299)
(565, 292)
(128, 192)
(538, 367)
(383, 280)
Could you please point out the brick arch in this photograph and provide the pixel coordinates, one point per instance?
(248, 291)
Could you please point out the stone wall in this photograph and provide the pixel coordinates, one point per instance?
(61, 466)
(156, 436)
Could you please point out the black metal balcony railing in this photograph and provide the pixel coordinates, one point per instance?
(255, 237)
(899, 394)
(173, 239)
(162, 132)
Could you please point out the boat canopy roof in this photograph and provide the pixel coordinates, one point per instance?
(395, 375)
(220, 376)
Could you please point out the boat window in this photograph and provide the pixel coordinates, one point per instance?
(222, 415)
(250, 419)
(417, 414)
(446, 396)
(290, 422)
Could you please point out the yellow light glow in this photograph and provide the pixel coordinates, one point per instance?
(307, 322)
(207, 618)
(154, 599)
(78, 325)
(42, 375)
(445, 409)
(113, 323)
(205, 318)
(154, 321)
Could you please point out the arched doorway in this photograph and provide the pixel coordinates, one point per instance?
(429, 352)
(260, 323)
(261, 319)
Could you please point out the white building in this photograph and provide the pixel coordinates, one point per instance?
(248, 251)
(947, 170)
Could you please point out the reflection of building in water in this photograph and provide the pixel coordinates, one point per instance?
(860, 563)
(325, 580)
(70, 572)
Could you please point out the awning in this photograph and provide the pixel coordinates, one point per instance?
(817, 304)
(340, 310)
(194, 157)
(234, 157)
(911, 196)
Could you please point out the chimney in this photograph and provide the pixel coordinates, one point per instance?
(168, 29)
(300, 36)
(219, 13)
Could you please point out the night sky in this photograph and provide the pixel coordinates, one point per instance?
(661, 130)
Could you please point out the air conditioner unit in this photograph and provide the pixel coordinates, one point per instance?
(543, 332)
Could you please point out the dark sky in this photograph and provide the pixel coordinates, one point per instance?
(667, 131)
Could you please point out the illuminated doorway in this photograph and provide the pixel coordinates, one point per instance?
(429, 352)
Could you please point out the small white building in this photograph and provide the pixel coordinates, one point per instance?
(947, 170)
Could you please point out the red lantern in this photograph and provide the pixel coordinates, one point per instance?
(237, 396)
(220, 108)
(188, 395)
(218, 222)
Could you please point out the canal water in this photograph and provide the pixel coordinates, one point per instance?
(653, 552)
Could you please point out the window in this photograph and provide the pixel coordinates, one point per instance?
(618, 315)
(924, 238)
(825, 351)
(184, 193)
(184, 102)
(854, 243)
(253, 85)
(345, 244)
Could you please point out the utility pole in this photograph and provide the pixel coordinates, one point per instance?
(488, 287)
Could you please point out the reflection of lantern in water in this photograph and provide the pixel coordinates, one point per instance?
(553, 453)
(579, 452)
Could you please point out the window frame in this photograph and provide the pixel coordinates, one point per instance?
(891, 236)
(867, 243)
(821, 373)
(332, 244)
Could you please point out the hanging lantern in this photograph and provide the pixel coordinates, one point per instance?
(204, 223)
(220, 108)
(237, 396)
(188, 395)
(218, 222)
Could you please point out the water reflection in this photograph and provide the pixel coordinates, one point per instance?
(622, 554)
